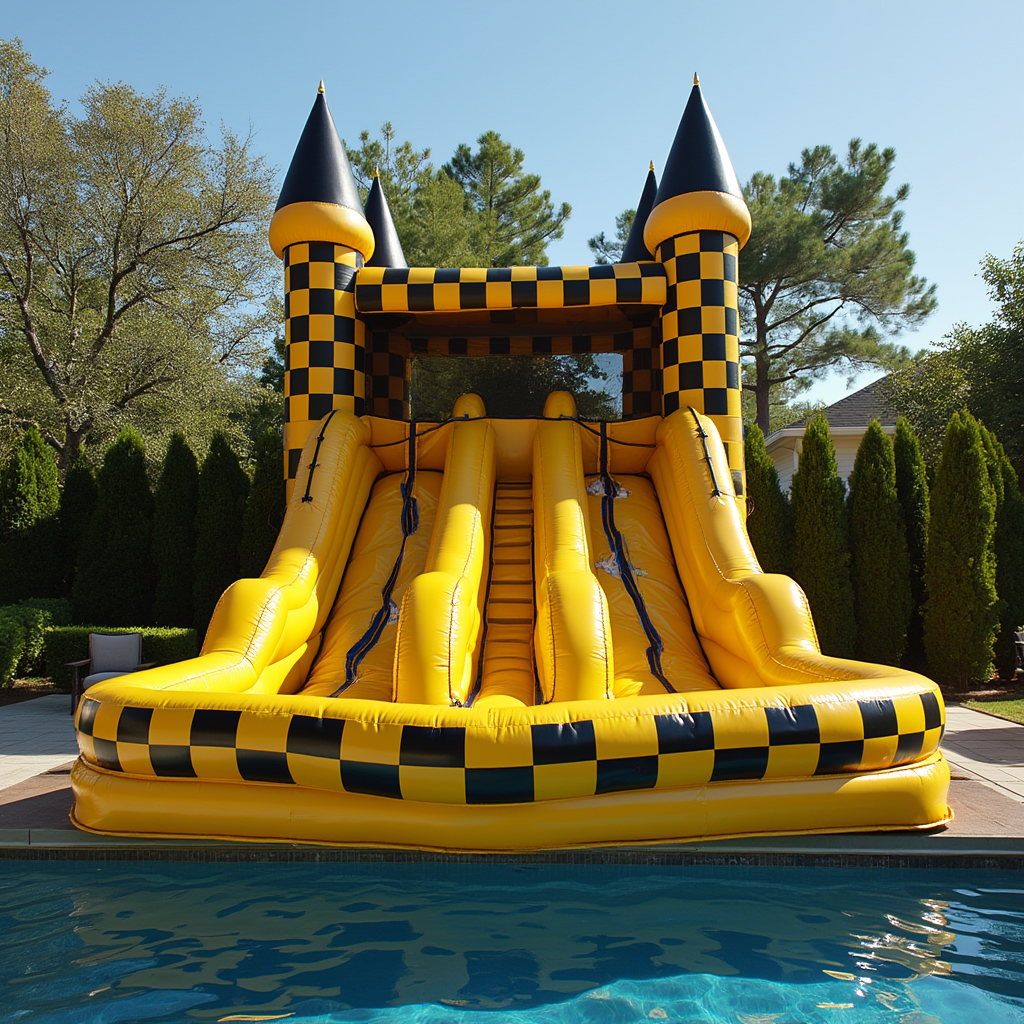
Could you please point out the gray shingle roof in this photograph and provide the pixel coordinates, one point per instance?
(856, 410)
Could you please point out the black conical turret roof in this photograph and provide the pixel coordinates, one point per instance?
(319, 171)
(636, 249)
(698, 160)
(388, 248)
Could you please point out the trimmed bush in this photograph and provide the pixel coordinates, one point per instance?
(912, 489)
(29, 559)
(174, 535)
(44, 464)
(223, 487)
(164, 645)
(769, 524)
(12, 645)
(114, 579)
(77, 504)
(58, 609)
(961, 613)
(264, 511)
(821, 552)
(1008, 544)
(879, 564)
(21, 648)
(38, 614)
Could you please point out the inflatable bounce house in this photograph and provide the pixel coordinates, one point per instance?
(509, 634)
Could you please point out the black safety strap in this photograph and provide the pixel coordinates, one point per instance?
(410, 524)
(716, 491)
(316, 454)
(619, 550)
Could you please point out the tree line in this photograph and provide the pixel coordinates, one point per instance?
(126, 553)
(897, 571)
(136, 286)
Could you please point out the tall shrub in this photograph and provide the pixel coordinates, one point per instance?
(114, 579)
(44, 464)
(77, 504)
(912, 489)
(264, 511)
(174, 535)
(879, 564)
(223, 487)
(769, 524)
(1008, 545)
(29, 561)
(960, 572)
(821, 553)
(18, 511)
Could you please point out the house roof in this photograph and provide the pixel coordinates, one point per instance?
(852, 412)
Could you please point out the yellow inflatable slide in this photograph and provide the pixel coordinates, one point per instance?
(506, 634)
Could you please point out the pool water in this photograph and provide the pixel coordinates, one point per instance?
(106, 942)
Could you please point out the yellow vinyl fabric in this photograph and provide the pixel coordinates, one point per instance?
(638, 517)
(373, 558)
(247, 741)
(573, 634)
(439, 625)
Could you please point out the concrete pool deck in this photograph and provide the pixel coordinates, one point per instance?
(986, 755)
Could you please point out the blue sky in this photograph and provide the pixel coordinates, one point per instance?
(593, 90)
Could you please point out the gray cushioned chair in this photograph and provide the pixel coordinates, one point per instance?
(110, 655)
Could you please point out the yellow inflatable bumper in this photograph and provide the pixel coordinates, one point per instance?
(511, 634)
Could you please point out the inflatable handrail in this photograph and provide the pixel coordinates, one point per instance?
(573, 648)
(263, 629)
(439, 625)
(756, 629)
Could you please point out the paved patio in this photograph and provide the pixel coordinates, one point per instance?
(986, 756)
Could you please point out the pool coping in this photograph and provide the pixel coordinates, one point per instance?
(873, 850)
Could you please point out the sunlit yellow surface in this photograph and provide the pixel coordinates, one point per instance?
(271, 734)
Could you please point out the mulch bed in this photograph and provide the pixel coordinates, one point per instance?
(995, 689)
(26, 689)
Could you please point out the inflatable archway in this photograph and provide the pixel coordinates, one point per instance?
(493, 634)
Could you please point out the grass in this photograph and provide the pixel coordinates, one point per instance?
(1011, 709)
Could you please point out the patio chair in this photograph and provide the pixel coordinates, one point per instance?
(110, 655)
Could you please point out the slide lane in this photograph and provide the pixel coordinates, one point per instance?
(373, 558)
(638, 518)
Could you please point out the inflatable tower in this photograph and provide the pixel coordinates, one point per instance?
(697, 227)
(320, 232)
(678, 351)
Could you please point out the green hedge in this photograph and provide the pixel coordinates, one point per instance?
(12, 644)
(71, 643)
(23, 632)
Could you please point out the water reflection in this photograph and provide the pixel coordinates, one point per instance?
(204, 942)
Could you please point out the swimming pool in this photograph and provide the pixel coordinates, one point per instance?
(109, 942)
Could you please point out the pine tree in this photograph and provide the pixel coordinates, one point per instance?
(264, 511)
(769, 524)
(515, 219)
(821, 553)
(174, 535)
(961, 613)
(879, 563)
(77, 504)
(1008, 545)
(114, 579)
(223, 487)
(912, 488)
